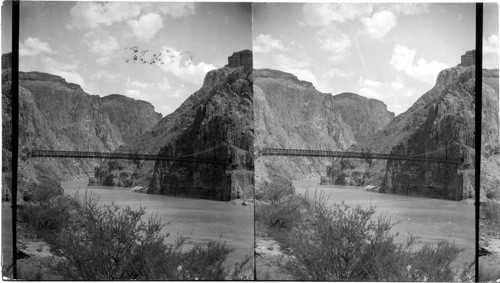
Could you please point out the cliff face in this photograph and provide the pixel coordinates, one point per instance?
(220, 115)
(58, 115)
(441, 123)
(290, 113)
(167, 130)
(222, 129)
(132, 117)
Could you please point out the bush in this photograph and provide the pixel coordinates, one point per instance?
(280, 216)
(487, 272)
(113, 243)
(43, 192)
(275, 190)
(342, 243)
(491, 211)
(493, 194)
(49, 216)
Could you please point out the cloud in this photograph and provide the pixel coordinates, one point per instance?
(164, 85)
(136, 84)
(490, 45)
(32, 46)
(324, 14)
(103, 75)
(396, 94)
(379, 24)
(64, 70)
(90, 15)
(369, 88)
(101, 44)
(335, 42)
(409, 9)
(177, 10)
(403, 60)
(336, 72)
(296, 67)
(265, 43)
(183, 68)
(146, 26)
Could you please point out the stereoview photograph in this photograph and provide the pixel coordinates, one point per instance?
(135, 141)
(365, 141)
(249, 141)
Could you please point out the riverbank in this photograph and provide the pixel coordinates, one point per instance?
(200, 219)
(489, 243)
(429, 219)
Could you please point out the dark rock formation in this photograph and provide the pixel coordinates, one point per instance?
(468, 59)
(6, 61)
(441, 123)
(290, 113)
(132, 117)
(240, 59)
(221, 109)
(58, 115)
(222, 130)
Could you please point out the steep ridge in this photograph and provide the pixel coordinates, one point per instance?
(441, 122)
(58, 115)
(132, 117)
(290, 113)
(223, 130)
(220, 115)
(167, 130)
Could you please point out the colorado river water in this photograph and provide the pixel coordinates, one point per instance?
(202, 220)
(430, 219)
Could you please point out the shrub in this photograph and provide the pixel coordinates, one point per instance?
(48, 217)
(280, 216)
(491, 211)
(343, 243)
(488, 272)
(274, 190)
(43, 192)
(493, 194)
(113, 243)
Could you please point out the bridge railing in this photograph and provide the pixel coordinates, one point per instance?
(351, 154)
(120, 155)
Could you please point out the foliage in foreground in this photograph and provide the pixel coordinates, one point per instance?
(490, 210)
(344, 243)
(114, 243)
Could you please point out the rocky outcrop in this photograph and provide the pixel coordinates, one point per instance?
(240, 59)
(167, 130)
(132, 117)
(58, 115)
(468, 59)
(221, 109)
(290, 113)
(222, 130)
(440, 123)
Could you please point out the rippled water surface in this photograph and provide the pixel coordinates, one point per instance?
(203, 220)
(430, 219)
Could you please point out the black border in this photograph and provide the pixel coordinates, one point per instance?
(15, 126)
(478, 119)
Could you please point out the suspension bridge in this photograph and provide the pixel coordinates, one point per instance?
(122, 155)
(466, 142)
(353, 154)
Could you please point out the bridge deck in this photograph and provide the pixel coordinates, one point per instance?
(119, 155)
(352, 154)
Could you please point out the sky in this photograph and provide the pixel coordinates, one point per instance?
(85, 43)
(390, 52)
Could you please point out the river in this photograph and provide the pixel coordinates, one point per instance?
(202, 220)
(429, 219)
